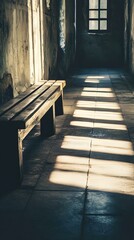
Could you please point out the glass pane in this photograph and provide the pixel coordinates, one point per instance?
(93, 25)
(103, 4)
(103, 14)
(103, 25)
(93, 4)
(93, 14)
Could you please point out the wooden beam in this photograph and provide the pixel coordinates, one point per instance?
(11, 162)
(47, 124)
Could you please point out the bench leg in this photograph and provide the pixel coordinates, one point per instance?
(10, 159)
(48, 123)
(59, 106)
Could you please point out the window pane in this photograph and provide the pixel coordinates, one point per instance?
(103, 14)
(93, 25)
(103, 25)
(103, 4)
(93, 4)
(93, 14)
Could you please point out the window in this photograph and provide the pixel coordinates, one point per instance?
(98, 15)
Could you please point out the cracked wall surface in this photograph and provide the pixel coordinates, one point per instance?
(29, 42)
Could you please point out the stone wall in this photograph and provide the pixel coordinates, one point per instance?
(14, 45)
(29, 43)
(101, 49)
(129, 35)
(67, 37)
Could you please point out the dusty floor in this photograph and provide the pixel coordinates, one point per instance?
(79, 184)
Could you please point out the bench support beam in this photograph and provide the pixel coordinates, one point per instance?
(10, 158)
(59, 106)
(47, 123)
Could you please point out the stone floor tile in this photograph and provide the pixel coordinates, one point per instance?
(17, 225)
(109, 203)
(60, 176)
(118, 145)
(110, 183)
(29, 181)
(76, 129)
(56, 215)
(69, 109)
(109, 105)
(111, 133)
(127, 108)
(67, 159)
(15, 200)
(108, 228)
(108, 115)
(69, 102)
(112, 168)
(120, 127)
(107, 155)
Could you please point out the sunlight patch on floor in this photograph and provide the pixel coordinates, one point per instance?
(100, 94)
(68, 159)
(111, 168)
(111, 176)
(93, 89)
(76, 143)
(82, 124)
(102, 126)
(98, 77)
(68, 178)
(105, 174)
(121, 144)
(92, 104)
(118, 150)
(101, 115)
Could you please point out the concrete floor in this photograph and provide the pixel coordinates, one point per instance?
(79, 184)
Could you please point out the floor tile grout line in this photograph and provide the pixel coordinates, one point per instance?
(88, 173)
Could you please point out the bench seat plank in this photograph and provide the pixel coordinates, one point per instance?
(26, 102)
(13, 102)
(37, 109)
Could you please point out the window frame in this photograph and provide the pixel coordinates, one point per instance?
(99, 18)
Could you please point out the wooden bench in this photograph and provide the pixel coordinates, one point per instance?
(40, 103)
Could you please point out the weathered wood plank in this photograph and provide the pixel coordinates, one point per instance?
(26, 102)
(31, 110)
(24, 132)
(47, 123)
(62, 83)
(7, 106)
(30, 124)
(59, 106)
(11, 164)
(38, 108)
(45, 107)
(19, 122)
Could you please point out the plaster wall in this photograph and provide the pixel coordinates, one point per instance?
(67, 37)
(14, 45)
(28, 43)
(129, 35)
(30, 46)
(101, 49)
